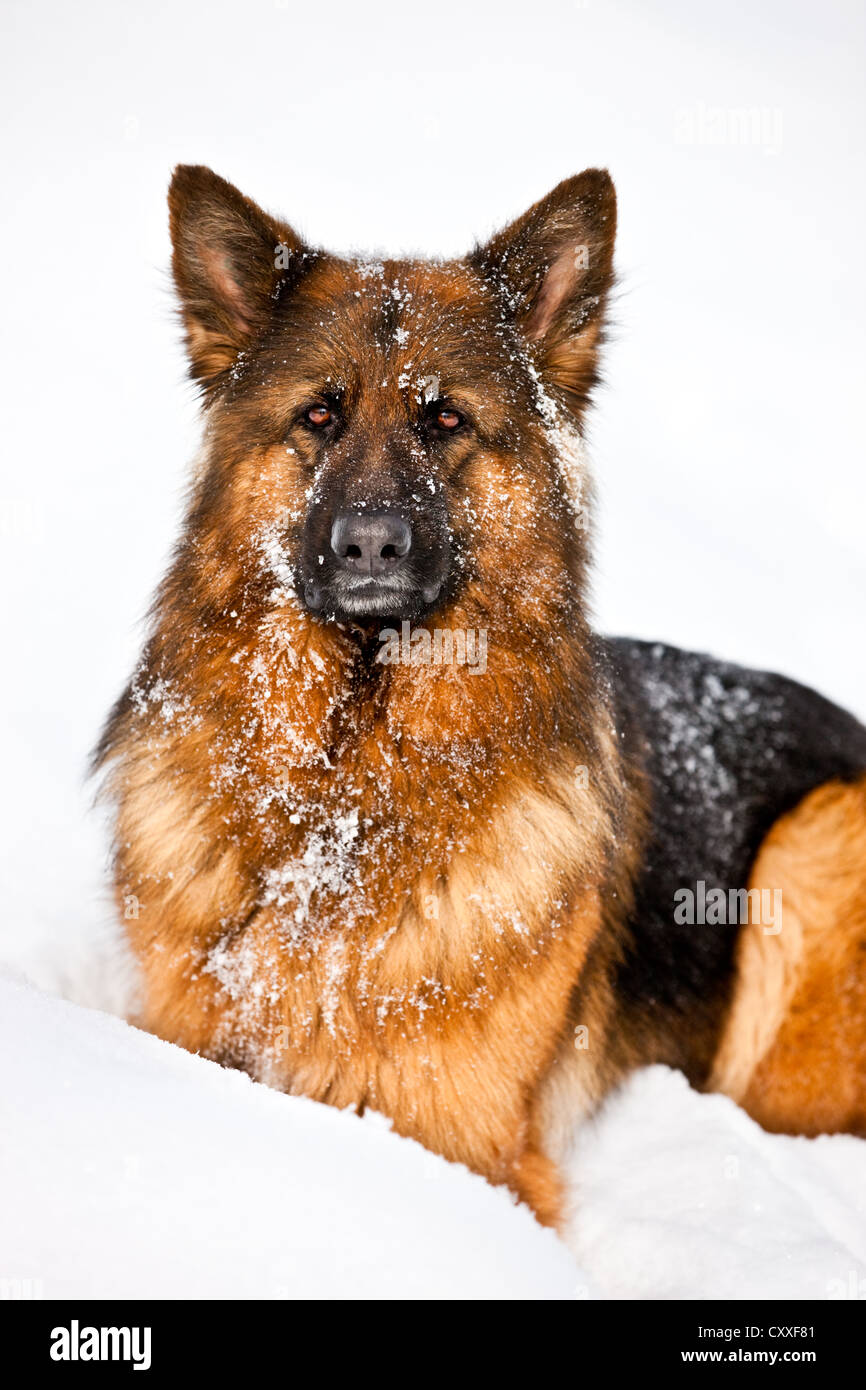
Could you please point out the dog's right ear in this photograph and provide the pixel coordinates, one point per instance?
(230, 261)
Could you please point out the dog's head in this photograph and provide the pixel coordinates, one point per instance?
(390, 435)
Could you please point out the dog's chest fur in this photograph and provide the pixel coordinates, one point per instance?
(347, 898)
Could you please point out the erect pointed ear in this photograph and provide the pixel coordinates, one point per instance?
(230, 262)
(555, 267)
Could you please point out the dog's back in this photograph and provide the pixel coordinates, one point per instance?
(727, 753)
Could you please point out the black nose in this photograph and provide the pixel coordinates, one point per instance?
(370, 542)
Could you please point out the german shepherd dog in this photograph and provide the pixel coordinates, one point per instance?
(471, 895)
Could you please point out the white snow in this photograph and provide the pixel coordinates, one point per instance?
(681, 1195)
(728, 455)
(130, 1168)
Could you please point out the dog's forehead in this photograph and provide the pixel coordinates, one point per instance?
(427, 317)
(393, 299)
(413, 282)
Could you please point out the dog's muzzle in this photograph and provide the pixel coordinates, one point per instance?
(373, 569)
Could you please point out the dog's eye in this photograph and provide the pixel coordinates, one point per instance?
(319, 415)
(448, 420)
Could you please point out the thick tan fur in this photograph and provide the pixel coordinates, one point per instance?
(377, 885)
(446, 1025)
(794, 1049)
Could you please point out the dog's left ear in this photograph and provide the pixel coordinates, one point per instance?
(555, 268)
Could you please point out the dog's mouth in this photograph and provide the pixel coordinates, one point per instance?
(359, 597)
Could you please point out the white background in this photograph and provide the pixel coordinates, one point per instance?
(728, 447)
(728, 442)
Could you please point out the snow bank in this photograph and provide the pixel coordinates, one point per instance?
(129, 1168)
(683, 1196)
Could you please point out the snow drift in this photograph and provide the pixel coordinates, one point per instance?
(129, 1168)
(132, 1169)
